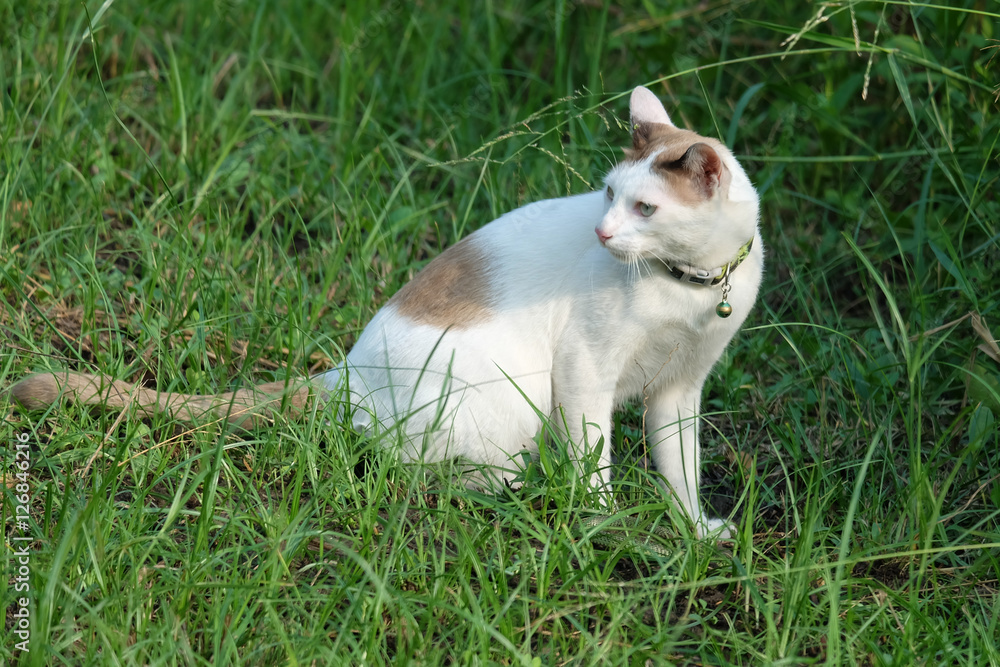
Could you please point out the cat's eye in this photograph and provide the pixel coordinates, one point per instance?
(646, 209)
(611, 193)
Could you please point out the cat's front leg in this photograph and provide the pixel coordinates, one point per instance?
(581, 417)
(589, 440)
(672, 425)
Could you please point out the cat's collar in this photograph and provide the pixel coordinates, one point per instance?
(708, 277)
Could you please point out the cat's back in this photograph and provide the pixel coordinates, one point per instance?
(509, 280)
(524, 257)
(537, 249)
(545, 232)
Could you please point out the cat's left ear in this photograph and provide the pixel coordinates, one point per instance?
(645, 107)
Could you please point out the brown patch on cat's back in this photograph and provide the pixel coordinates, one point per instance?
(452, 291)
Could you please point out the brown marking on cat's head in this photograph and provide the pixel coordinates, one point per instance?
(689, 162)
(452, 291)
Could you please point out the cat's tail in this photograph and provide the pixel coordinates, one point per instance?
(244, 408)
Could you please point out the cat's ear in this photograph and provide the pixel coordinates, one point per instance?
(645, 107)
(702, 164)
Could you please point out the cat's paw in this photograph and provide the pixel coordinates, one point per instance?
(717, 529)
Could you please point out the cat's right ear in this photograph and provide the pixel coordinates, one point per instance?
(703, 166)
(645, 107)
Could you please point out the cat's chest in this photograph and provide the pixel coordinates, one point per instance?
(658, 334)
(660, 356)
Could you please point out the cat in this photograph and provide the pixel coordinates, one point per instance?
(557, 312)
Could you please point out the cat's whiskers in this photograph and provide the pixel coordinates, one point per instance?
(637, 267)
(648, 267)
(632, 265)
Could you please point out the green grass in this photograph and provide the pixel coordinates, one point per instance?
(208, 195)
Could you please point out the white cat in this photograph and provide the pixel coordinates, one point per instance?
(563, 309)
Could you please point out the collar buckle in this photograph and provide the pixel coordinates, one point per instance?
(712, 277)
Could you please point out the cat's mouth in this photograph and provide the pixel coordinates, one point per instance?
(620, 255)
(628, 258)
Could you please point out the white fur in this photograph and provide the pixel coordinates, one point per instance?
(575, 325)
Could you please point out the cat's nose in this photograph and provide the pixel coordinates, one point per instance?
(602, 236)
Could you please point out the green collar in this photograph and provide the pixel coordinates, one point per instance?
(710, 277)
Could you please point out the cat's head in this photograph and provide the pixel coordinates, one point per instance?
(676, 196)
